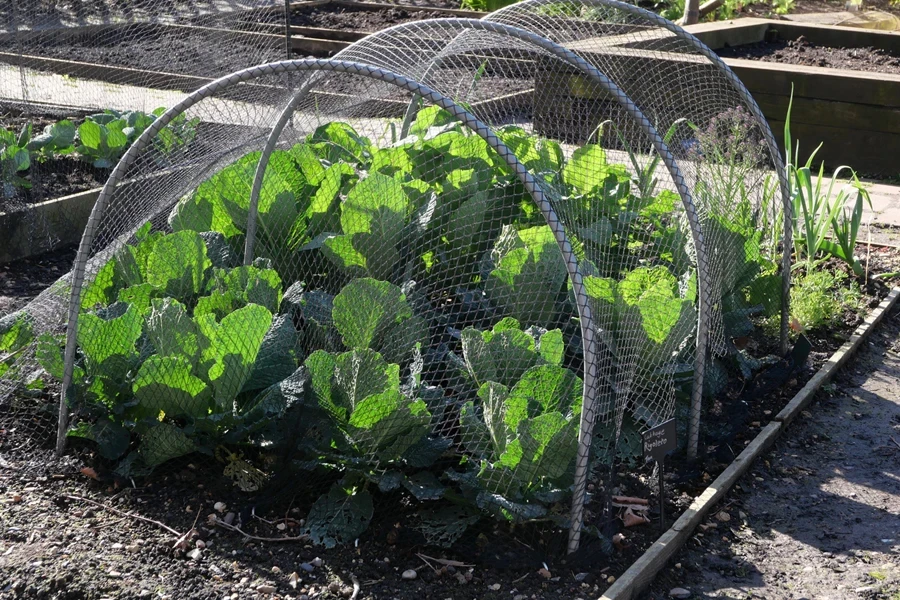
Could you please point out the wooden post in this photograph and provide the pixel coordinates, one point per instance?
(691, 11)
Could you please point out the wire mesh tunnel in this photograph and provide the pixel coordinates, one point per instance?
(460, 260)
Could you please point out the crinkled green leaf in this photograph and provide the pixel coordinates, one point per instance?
(172, 331)
(107, 344)
(178, 264)
(277, 357)
(164, 442)
(339, 517)
(361, 373)
(166, 384)
(366, 309)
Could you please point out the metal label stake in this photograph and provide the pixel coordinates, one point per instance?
(658, 442)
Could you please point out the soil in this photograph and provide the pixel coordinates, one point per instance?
(359, 19)
(24, 279)
(153, 50)
(819, 514)
(763, 9)
(802, 52)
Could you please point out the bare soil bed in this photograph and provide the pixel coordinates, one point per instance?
(360, 19)
(802, 52)
(151, 50)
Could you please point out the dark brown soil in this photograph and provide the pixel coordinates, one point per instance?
(153, 50)
(359, 19)
(802, 52)
(24, 279)
(819, 515)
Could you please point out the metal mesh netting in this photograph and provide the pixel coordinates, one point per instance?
(401, 295)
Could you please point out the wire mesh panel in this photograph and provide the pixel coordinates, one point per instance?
(467, 266)
(722, 145)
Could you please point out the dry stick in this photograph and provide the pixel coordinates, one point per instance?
(299, 538)
(896, 443)
(443, 561)
(355, 582)
(124, 514)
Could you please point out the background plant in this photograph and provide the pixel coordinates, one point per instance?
(14, 159)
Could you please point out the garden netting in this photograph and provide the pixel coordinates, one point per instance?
(461, 261)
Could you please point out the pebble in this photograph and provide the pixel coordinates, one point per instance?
(276, 570)
(722, 516)
(281, 527)
(461, 579)
(229, 518)
(318, 562)
(409, 574)
(117, 546)
(307, 567)
(334, 587)
(132, 548)
(145, 594)
(115, 574)
(520, 597)
(611, 579)
(495, 587)
(219, 506)
(16, 498)
(302, 597)
(200, 544)
(679, 593)
(195, 554)
(581, 577)
(544, 573)
(266, 589)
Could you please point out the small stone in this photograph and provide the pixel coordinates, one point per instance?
(114, 574)
(742, 515)
(294, 580)
(544, 573)
(461, 579)
(195, 554)
(679, 593)
(307, 567)
(520, 597)
(281, 527)
(200, 544)
(579, 577)
(276, 570)
(265, 589)
(754, 424)
(211, 518)
(16, 498)
(145, 594)
(409, 574)
(722, 516)
(219, 506)
(117, 546)
(318, 562)
(334, 587)
(610, 579)
(244, 581)
(495, 587)
(302, 597)
(132, 548)
(229, 518)
(346, 591)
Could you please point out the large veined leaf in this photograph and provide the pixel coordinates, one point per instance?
(165, 384)
(248, 284)
(171, 329)
(15, 332)
(543, 389)
(654, 291)
(278, 355)
(178, 264)
(501, 355)
(528, 275)
(587, 169)
(109, 345)
(367, 309)
(339, 517)
(230, 348)
(111, 437)
(361, 373)
(164, 442)
(336, 142)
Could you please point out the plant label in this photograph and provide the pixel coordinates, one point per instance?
(660, 440)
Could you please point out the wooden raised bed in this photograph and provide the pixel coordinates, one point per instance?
(856, 115)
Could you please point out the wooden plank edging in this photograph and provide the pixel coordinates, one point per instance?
(640, 574)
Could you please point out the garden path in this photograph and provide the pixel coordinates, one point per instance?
(818, 516)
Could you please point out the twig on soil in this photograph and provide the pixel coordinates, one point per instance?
(521, 578)
(896, 443)
(443, 561)
(184, 541)
(124, 514)
(299, 538)
(355, 582)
